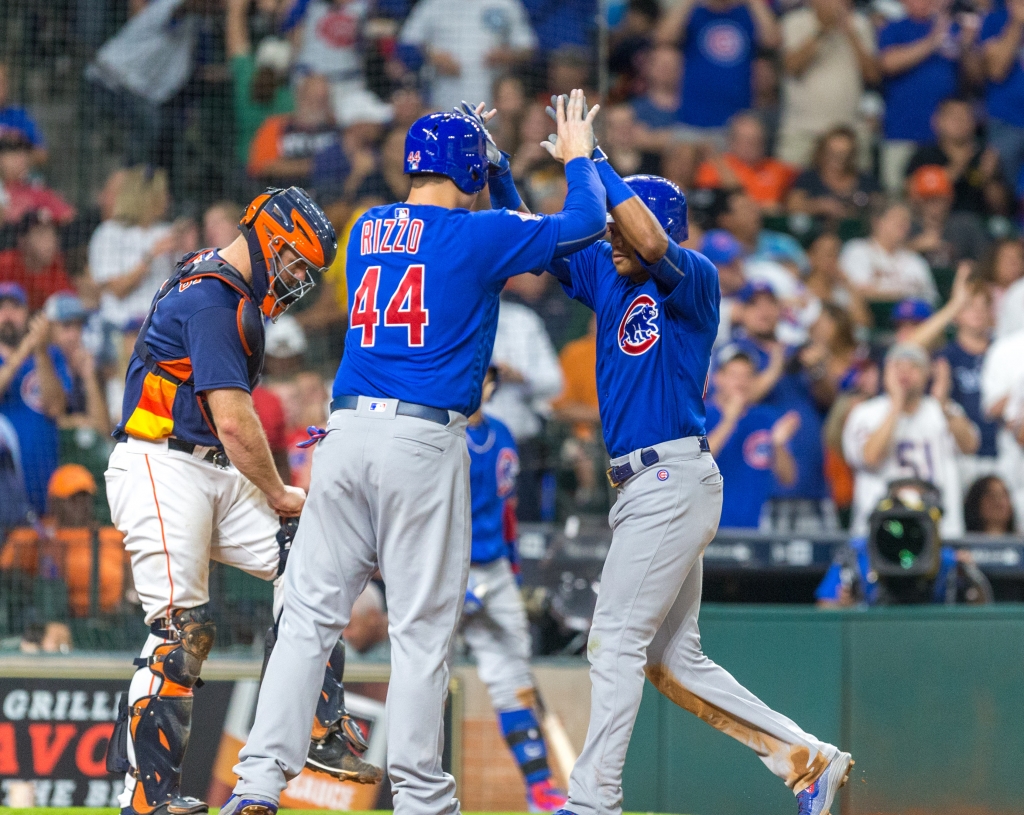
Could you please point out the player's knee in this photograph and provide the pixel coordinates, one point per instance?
(182, 661)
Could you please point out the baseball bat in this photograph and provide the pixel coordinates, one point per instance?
(560, 749)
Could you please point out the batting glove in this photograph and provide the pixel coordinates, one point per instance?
(598, 154)
(493, 153)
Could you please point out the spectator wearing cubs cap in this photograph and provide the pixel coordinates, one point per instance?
(785, 380)
(86, 403)
(907, 315)
(941, 236)
(33, 381)
(13, 117)
(750, 441)
(722, 249)
(36, 263)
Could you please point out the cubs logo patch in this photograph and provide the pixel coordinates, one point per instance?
(663, 475)
(506, 470)
(638, 330)
(757, 450)
(413, 159)
(724, 43)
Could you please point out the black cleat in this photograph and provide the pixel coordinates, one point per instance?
(334, 757)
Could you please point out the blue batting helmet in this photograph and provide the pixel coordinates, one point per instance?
(448, 144)
(665, 200)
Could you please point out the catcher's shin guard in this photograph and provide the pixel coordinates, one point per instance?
(160, 723)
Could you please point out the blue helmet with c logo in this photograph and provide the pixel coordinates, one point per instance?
(665, 200)
(451, 145)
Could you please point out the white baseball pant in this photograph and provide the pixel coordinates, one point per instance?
(177, 513)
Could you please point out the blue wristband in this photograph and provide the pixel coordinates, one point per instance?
(503, 187)
(618, 190)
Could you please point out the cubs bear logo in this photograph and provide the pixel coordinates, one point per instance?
(757, 450)
(639, 331)
(506, 471)
(724, 43)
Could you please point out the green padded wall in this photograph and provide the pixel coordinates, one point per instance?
(930, 701)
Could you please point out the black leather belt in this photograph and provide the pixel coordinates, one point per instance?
(620, 474)
(431, 414)
(213, 455)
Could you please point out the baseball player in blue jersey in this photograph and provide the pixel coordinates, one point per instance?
(192, 480)
(390, 478)
(494, 622)
(657, 317)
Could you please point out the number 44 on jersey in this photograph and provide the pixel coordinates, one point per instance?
(405, 308)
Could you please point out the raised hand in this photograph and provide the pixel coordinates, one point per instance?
(482, 116)
(575, 137)
(597, 154)
(785, 428)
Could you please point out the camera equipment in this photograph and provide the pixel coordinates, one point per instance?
(903, 541)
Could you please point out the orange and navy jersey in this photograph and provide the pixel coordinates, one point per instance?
(201, 339)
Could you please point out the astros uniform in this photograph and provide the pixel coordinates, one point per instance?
(653, 355)
(178, 501)
(923, 448)
(390, 481)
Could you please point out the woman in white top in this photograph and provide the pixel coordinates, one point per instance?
(129, 253)
(881, 267)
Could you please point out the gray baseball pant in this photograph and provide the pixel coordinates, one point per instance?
(498, 635)
(646, 622)
(389, 491)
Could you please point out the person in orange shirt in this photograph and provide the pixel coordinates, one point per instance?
(744, 164)
(62, 545)
(577, 405)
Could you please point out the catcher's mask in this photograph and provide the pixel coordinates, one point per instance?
(277, 219)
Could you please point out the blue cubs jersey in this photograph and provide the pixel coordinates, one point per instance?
(22, 404)
(746, 465)
(493, 467)
(423, 285)
(793, 392)
(195, 331)
(653, 347)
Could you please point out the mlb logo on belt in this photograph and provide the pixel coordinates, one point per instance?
(378, 407)
(639, 331)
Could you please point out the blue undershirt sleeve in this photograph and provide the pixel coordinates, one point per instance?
(582, 220)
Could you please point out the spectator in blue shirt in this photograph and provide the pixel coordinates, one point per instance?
(719, 39)
(956, 373)
(33, 380)
(748, 440)
(1002, 37)
(920, 57)
(658, 108)
(781, 382)
(17, 118)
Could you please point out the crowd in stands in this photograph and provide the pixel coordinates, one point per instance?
(855, 170)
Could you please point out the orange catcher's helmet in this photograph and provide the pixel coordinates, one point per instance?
(286, 219)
